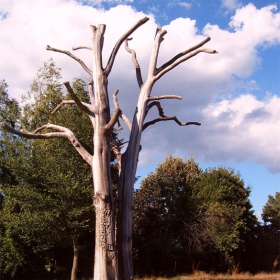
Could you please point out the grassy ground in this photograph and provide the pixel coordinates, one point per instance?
(204, 276)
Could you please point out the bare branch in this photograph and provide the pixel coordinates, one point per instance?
(126, 121)
(135, 63)
(113, 120)
(118, 44)
(182, 54)
(81, 47)
(117, 152)
(59, 132)
(116, 114)
(90, 91)
(173, 65)
(169, 119)
(72, 56)
(61, 104)
(160, 109)
(159, 97)
(159, 28)
(154, 56)
(115, 99)
(122, 116)
(82, 105)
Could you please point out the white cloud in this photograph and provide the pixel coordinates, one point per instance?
(186, 5)
(231, 127)
(231, 4)
(246, 127)
(238, 50)
(100, 2)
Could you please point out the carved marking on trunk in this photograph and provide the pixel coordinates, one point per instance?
(106, 242)
(105, 225)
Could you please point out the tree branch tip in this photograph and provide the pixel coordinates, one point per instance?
(66, 83)
(129, 39)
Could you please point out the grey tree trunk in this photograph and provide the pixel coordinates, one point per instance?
(113, 252)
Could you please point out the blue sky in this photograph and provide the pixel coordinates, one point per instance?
(235, 94)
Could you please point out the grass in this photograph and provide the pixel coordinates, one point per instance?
(205, 276)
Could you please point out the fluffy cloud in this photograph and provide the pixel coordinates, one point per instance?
(244, 128)
(231, 4)
(234, 127)
(186, 5)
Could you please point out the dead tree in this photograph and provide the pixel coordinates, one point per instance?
(113, 254)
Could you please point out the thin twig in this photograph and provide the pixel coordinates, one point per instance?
(118, 44)
(81, 47)
(169, 119)
(159, 97)
(49, 48)
(176, 63)
(135, 63)
(182, 54)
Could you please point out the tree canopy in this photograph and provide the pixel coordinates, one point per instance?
(50, 206)
(184, 215)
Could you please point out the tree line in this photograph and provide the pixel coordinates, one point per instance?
(184, 218)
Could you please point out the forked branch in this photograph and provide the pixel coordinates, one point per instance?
(115, 116)
(158, 105)
(58, 132)
(135, 63)
(182, 54)
(122, 115)
(174, 118)
(154, 56)
(118, 44)
(179, 61)
(49, 48)
(88, 109)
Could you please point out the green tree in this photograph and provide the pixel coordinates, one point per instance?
(53, 196)
(225, 206)
(271, 232)
(186, 217)
(10, 113)
(12, 154)
(271, 211)
(163, 210)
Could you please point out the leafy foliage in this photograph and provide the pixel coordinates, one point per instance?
(184, 216)
(52, 199)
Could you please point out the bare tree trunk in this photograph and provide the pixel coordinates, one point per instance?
(126, 188)
(105, 264)
(75, 258)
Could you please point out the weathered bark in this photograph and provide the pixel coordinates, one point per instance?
(105, 252)
(113, 252)
(126, 188)
(75, 258)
